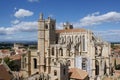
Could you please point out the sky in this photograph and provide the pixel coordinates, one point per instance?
(18, 18)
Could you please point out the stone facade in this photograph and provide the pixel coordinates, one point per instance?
(60, 50)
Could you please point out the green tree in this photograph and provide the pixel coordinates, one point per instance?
(11, 64)
(117, 67)
(112, 45)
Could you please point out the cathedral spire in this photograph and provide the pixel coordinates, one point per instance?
(41, 16)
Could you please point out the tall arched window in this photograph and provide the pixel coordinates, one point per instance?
(68, 39)
(96, 67)
(76, 39)
(24, 64)
(68, 52)
(53, 51)
(80, 39)
(56, 51)
(61, 52)
(64, 71)
(35, 63)
(46, 26)
(96, 52)
(83, 43)
(53, 27)
(105, 68)
(64, 39)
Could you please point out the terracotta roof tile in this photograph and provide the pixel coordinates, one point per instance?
(71, 30)
(4, 51)
(117, 50)
(4, 74)
(76, 73)
(15, 57)
(108, 78)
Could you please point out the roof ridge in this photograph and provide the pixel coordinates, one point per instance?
(78, 72)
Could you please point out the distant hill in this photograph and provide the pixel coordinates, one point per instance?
(10, 44)
(115, 42)
(23, 42)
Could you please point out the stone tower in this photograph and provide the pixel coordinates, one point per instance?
(46, 37)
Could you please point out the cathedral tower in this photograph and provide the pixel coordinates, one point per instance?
(46, 36)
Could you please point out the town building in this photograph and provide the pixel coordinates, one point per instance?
(61, 50)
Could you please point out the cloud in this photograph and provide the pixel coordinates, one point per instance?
(20, 27)
(109, 35)
(33, 0)
(90, 20)
(96, 19)
(15, 21)
(23, 13)
(7, 30)
(26, 26)
(59, 25)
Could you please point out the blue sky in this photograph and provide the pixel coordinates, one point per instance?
(18, 18)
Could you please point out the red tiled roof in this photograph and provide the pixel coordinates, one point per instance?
(15, 57)
(117, 73)
(5, 51)
(108, 78)
(4, 74)
(117, 50)
(71, 30)
(76, 73)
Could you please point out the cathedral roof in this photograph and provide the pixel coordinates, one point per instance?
(76, 73)
(71, 30)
